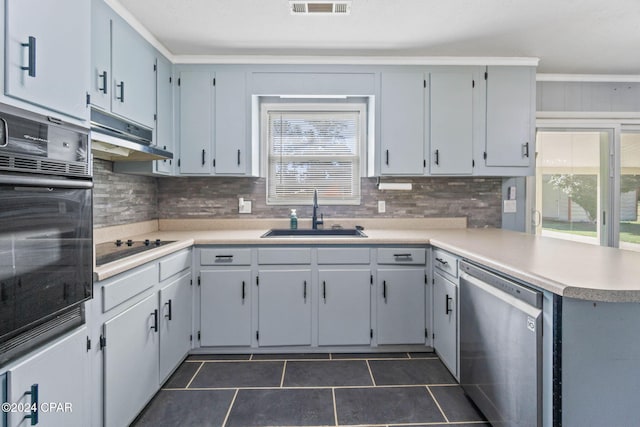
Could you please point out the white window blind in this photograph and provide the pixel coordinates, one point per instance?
(314, 150)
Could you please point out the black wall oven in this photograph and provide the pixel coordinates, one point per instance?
(46, 229)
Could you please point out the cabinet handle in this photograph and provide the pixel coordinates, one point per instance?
(238, 157)
(155, 320)
(324, 291)
(33, 413)
(103, 76)
(31, 55)
(447, 309)
(243, 290)
(203, 154)
(121, 87)
(384, 290)
(168, 315)
(304, 292)
(437, 158)
(441, 261)
(224, 258)
(525, 147)
(387, 160)
(402, 255)
(5, 133)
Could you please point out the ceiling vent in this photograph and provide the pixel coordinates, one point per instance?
(319, 7)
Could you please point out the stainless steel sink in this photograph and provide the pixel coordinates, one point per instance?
(307, 232)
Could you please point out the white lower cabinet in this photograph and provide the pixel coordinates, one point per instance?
(53, 380)
(445, 321)
(146, 331)
(175, 323)
(284, 313)
(344, 307)
(401, 305)
(225, 307)
(131, 361)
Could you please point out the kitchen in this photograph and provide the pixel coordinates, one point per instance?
(198, 196)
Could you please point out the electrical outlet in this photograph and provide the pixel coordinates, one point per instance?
(382, 206)
(244, 206)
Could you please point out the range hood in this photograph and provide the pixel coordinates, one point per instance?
(118, 140)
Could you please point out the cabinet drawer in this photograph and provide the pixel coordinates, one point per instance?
(446, 262)
(174, 264)
(131, 284)
(224, 256)
(287, 256)
(344, 256)
(402, 256)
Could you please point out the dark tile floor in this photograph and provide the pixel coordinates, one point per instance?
(390, 390)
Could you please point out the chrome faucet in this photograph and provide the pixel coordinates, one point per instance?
(314, 220)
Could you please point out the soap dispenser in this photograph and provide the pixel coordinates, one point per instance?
(294, 219)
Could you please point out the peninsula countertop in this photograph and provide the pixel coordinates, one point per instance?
(566, 268)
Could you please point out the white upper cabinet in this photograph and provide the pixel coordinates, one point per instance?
(196, 122)
(510, 116)
(402, 114)
(48, 53)
(231, 131)
(133, 74)
(214, 132)
(451, 131)
(123, 79)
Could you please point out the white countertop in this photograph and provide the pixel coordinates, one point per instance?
(569, 269)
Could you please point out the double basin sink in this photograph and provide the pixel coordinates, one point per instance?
(303, 232)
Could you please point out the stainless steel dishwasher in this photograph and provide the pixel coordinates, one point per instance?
(501, 347)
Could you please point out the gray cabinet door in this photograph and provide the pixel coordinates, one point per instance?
(510, 116)
(284, 313)
(445, 322)
(344, 307)
(230, 128)
(164, 136)
(164, 120)
(131, 362)
(225, 307)
(133, 93)
(451, 122)
(47, 54)
(60, 375)
(401, 306)
(402, 117)
(100, 78)
(175, 323)
(196, 121)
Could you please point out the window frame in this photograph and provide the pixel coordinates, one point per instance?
(301, 105)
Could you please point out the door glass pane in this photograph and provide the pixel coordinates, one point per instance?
(629, 191)
(568, 184)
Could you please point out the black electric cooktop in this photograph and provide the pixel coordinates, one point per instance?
(114, 251)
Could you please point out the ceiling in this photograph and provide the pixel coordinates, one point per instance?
(569, 36)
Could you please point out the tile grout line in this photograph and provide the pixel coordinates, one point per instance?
(226, 417)
(335, 409)
(437, 404)
(370, 372)
(194, 375)
(284, 369)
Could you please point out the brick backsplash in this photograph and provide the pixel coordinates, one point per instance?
(478, 199)
(122, 199)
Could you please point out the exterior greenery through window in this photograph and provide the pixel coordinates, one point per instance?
(314, 147)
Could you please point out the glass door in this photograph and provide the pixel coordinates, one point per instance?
(629, 192)
(573, 184)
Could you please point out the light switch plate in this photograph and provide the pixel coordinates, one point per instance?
(382, 206)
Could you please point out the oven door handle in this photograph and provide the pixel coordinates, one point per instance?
(39, 181)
